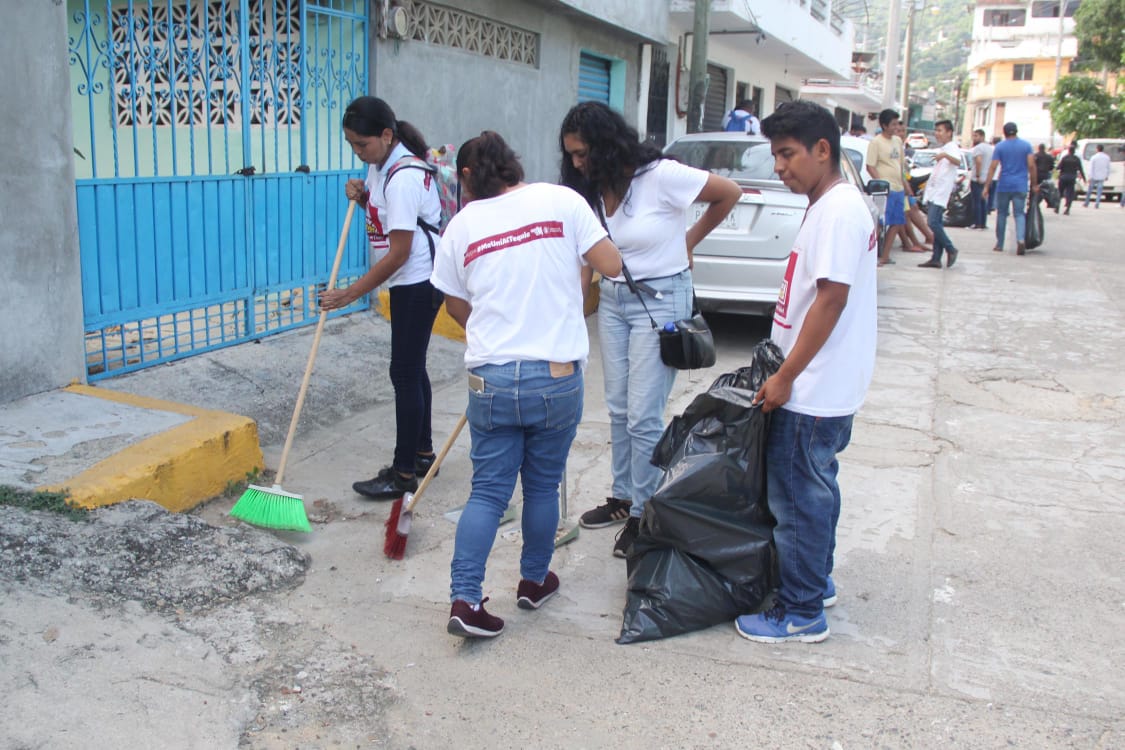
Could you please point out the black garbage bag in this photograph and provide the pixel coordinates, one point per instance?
(1033, 236)
(959, 211)
(704, 554)
(1049, 189)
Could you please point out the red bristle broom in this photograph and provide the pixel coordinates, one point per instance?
(402, 512)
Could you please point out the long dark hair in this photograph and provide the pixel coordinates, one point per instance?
(615, 152)
(370, 116)
(492, 164)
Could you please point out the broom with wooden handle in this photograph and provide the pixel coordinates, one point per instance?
(273, 507)
(402, 512)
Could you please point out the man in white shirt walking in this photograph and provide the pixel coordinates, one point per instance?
(1099, 173)
(938, 189)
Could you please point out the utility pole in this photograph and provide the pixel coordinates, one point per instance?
(699, 78)
(906, 58)
(890, 67)
(1058, 67)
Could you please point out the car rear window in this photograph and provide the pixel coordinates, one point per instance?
(734, 159)
(924, 158)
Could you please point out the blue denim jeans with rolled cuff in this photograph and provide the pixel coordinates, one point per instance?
(1094, 188)
(522, 425)
(1016, 200)
(637, 382)
(804, 497)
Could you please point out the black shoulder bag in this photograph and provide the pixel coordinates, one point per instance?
(684, 344)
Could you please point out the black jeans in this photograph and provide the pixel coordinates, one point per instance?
(1066, 189)
(412, 319)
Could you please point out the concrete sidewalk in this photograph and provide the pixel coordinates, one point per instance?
(979, 561)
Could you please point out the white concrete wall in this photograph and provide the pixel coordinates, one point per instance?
(40, 287)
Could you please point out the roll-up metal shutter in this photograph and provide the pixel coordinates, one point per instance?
(593, 79)
(715, 106)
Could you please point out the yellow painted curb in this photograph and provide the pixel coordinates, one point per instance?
(177, 468)
(443, 324)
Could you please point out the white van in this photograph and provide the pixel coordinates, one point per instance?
(1115, 148)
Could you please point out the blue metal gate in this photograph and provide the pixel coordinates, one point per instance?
(210, 167)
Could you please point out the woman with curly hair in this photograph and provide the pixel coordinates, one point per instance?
(643, 198)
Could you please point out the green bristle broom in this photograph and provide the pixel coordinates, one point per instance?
(273, 507)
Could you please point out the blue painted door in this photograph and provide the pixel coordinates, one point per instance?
(210, 168)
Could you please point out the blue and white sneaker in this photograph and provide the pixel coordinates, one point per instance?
(829, 593)
(777, 626)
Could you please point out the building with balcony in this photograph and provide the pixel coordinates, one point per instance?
(760, 50)
(1020, 49)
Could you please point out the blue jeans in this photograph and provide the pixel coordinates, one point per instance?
(637, 382)
(412, 320)
(804, 497)
(935, 218)
(522, 425)
(992, 196)
(1016, 199)
(1094, 186)
(979, 204)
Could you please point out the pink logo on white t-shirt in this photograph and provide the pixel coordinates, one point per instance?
(540, 230)
(782, 308)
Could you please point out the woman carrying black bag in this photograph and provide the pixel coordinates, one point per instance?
(643, 198)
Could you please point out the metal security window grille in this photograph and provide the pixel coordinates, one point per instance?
(449, 27)
(182, 65)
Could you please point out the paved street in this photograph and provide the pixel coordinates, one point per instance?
(979, 564)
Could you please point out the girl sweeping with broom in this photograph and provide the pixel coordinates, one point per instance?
(512, 264)
(403, 262)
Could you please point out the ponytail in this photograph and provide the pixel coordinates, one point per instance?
(492, 165)
(412, 138)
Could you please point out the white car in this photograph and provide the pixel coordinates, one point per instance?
(740, 265)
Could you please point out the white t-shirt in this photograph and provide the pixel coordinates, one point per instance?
(517, 259)
(412, 193)
(837, 241)
(984, 151)
(944, 176)
(650, 225)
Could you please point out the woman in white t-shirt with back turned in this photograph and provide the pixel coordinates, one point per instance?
(401, 260)
(644, 199)
(511, 264)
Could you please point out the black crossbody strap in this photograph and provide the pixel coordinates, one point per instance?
(633, 288)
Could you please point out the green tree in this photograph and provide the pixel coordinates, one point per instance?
(1100, 28)
(1083, 107)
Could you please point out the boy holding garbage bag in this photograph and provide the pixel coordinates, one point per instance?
(825, 323)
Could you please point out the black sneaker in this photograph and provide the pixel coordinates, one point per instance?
(473, 623)
(614, 511)
(388, 484)
(626, 536)
(531, 595)
(422, 464)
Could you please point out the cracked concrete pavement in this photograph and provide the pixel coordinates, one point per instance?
(979, 563)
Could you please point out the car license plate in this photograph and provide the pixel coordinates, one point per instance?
(730, 222)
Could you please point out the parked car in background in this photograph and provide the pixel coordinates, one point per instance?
(918, 140)
(922, 163)
(740, 265)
